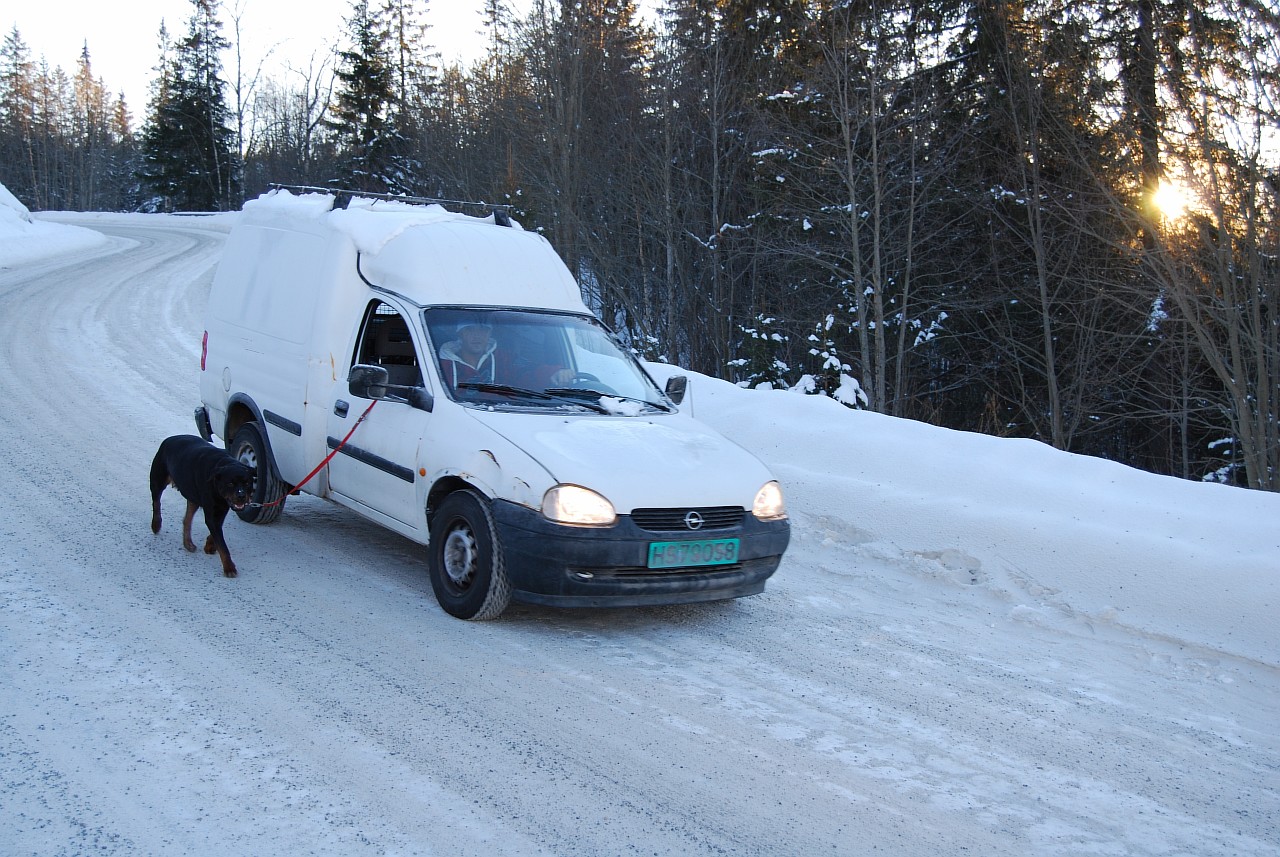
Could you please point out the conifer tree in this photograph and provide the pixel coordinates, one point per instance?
(17, 111)
(188, 159)
(415, 81)
(92, 131)
(363, 115)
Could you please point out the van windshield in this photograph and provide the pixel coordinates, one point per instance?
(526, 358)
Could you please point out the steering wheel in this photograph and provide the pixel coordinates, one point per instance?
(587, 381)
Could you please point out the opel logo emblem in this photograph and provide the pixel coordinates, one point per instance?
(693, 520)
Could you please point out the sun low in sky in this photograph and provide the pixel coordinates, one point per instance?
(1172, 199)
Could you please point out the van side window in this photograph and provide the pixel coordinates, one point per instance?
(385, 341)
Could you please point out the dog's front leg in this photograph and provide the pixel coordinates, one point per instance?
(187, 541)
(216, 542)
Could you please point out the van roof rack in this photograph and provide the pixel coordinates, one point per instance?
(342, 197)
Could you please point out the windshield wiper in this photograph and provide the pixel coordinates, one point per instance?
(502, 389)
(525, 392)
(584, 391)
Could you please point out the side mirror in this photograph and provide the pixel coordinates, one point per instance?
(677, 386)
(367, 382)
(417, 397)
(371, 382)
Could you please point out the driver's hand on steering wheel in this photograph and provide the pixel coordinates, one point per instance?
(562, 377)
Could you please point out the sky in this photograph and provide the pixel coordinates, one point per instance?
(122, 47)
(973, 644)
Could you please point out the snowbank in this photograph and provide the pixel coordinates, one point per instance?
(24, 239)
(1057, 534)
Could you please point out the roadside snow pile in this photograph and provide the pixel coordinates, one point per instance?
(11, 208)
(24, 239)
(1057, 535)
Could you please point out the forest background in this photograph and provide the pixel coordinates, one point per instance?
(1044, 219)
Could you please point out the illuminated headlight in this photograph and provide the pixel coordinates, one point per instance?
(769, 505)
(573, 504)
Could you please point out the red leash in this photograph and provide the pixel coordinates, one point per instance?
(327, 458)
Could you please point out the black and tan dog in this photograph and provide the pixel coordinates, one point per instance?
(209, 479)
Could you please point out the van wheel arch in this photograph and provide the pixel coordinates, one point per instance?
(237, 415)
(241, 410)
(442, 489)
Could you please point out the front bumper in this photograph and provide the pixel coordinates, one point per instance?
(564, 566)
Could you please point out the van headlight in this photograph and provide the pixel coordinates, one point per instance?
(769, 505)
(573, 504)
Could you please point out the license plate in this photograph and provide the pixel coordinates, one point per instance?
(691, 554)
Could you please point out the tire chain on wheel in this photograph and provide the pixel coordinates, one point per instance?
(268, 494)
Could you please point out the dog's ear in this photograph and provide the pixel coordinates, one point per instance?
(231, 471)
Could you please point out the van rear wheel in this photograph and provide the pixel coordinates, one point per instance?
(467, 568)
(249, 447)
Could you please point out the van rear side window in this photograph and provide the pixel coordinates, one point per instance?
(255, 265)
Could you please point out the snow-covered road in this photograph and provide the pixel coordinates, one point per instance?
(873, 700)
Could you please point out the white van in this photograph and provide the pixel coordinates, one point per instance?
(512, 434)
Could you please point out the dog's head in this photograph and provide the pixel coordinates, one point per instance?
(233, 482)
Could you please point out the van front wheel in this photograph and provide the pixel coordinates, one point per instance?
(468, 572)
(248, 447)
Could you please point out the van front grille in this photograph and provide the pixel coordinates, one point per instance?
(684, 520)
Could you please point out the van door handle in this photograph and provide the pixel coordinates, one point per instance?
(340, 408)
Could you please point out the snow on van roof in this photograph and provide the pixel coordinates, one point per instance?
(283, 202)
(369, 223)
(488, 265)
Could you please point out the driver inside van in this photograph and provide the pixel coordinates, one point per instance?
(474, 357)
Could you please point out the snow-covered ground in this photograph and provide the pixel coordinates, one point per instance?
(974, 645)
